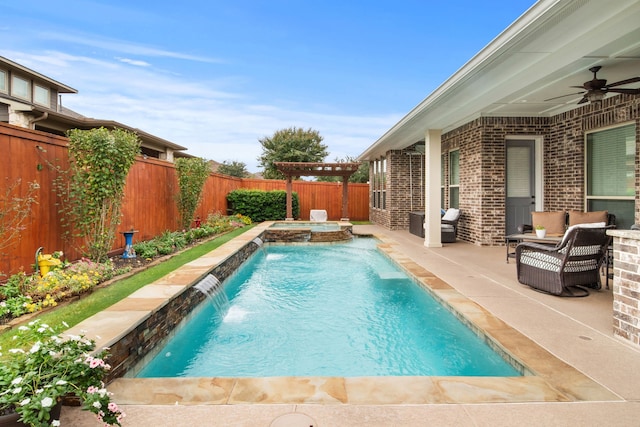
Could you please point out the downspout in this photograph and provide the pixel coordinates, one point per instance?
(44, 116)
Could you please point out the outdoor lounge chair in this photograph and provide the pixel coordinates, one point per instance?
(449, 225)
(568, 268)
(318, 215)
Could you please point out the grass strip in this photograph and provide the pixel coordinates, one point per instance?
(77, 311)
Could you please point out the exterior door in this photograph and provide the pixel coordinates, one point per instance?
(520, 182)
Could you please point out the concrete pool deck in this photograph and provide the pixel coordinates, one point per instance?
(585, 376)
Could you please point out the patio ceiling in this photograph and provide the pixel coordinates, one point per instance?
(540, 56)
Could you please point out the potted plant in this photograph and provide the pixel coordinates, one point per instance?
(540, 231)
(34, 380)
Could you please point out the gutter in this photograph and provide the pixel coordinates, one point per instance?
(44, 116)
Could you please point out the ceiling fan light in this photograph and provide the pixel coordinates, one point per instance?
(595, 96)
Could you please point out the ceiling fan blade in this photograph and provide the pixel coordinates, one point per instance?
(562, 96)
(629, 91)
(583, 100)
(624, 82)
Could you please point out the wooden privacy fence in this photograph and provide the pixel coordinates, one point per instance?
(149, 201)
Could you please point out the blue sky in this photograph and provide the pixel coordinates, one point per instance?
(216, 76)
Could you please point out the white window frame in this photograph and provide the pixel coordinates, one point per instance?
(14, 85)
(4, 85)
(449, 178)
(587, 197)
(39, 90)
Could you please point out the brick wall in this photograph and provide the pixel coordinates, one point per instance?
(626, 287)
(405, 189)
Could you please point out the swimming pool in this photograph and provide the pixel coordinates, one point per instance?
(324, 310)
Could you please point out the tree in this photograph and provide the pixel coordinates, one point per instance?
(360, 176)
(290, 145)
(100, 160)
(192, 174)
(233, 168)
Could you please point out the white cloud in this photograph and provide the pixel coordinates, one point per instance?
(121, 46)
(212, 118)
(134, 62)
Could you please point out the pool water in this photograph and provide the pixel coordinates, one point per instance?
(324, 310)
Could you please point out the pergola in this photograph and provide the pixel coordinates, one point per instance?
(297, 169)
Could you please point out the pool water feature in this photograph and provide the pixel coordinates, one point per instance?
(308, 231)
(328, 318)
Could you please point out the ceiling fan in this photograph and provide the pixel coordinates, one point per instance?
(596, 89)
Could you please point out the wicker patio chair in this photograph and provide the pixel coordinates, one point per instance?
(568, 268)
(449, 226)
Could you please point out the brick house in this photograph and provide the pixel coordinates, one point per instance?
(500, 139)
(34, 101)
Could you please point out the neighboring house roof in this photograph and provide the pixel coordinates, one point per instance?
(69, 119)
(58, 119)
(540, 56)
(60, 87)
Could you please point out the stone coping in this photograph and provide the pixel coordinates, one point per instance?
(627, 234)
(546, 379)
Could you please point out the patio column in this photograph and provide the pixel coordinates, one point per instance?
(432, 160)
(345, 198)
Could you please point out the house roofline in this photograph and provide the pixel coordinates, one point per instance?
(532, 19)
(87, 122)
(61, 87)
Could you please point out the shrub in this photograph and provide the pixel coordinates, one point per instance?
(192, 175)
(146, 249)
(262, 205)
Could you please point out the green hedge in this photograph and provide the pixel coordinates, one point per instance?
(262, 205)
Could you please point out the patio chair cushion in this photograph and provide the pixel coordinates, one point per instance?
(451, 214)
(546, 261)
(587, 225)
(577, 217)
(553, 222)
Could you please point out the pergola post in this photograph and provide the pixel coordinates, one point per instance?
(289, 198)
(345, 199)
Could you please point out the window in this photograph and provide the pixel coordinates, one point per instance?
(454, 179)
(378, 188)
(41, 95)
(20, 87)
(3, 81)
(610, 174)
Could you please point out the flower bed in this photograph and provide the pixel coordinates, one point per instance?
(23, 294)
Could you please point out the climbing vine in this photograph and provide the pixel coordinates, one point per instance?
(93, 192)
(15, 209)
(192, 174)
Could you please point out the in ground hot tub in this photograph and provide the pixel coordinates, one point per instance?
(308, 231)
